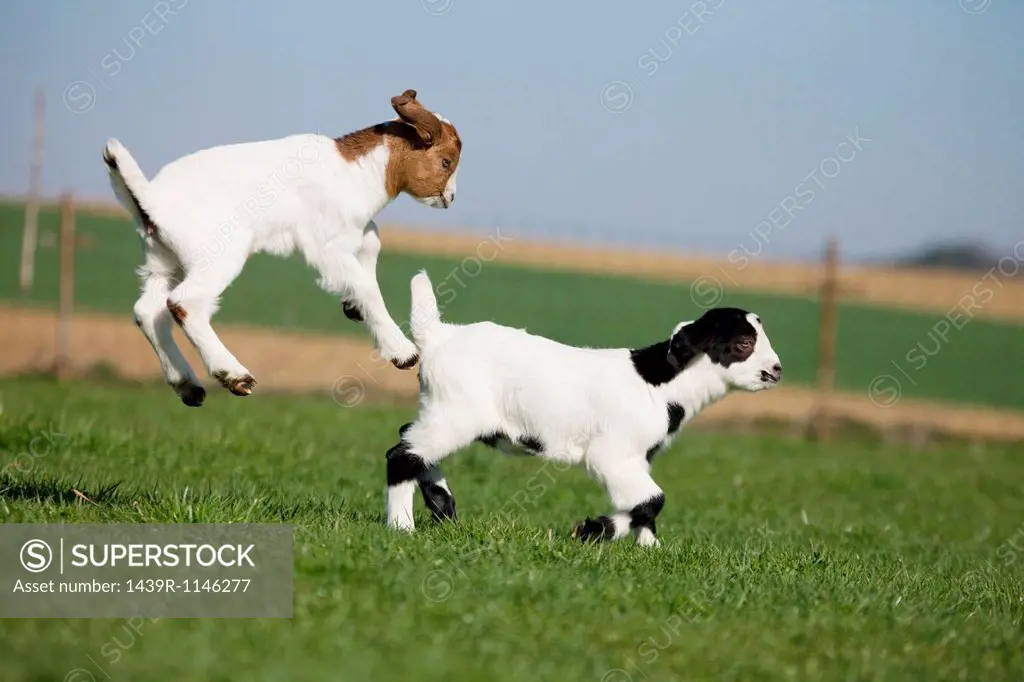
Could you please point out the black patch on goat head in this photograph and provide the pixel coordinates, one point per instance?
(724, 334)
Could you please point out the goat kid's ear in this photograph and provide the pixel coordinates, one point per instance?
(680, 351)
(426, 124)
(687, 342)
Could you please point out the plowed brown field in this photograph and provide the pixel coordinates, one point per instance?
(283, 361)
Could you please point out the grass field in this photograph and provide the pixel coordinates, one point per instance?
(979, 363)
(781, 560)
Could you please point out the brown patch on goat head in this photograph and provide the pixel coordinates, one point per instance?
(423, 150)
(177, 311)
(423, 172)
(420, 165)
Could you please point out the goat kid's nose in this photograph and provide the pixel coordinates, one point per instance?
(777, 368)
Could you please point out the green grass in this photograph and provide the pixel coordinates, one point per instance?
(979, 363)
(780, 560)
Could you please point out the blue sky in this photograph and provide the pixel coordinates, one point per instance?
(649, 123)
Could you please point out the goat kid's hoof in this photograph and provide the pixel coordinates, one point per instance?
(242, 385)
(190, 394)
(407, 363)
(591, 530)
(352, 311)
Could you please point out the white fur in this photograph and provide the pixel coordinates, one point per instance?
(215, 207)
(586, 406)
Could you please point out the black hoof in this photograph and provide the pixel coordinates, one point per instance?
(351, 311)
(192, 395)
(439, 501)
(594, 530)
(406, 364)
(240, 386)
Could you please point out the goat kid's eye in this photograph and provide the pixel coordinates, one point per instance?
(446, 163)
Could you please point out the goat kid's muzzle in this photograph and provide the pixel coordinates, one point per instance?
(774, 376)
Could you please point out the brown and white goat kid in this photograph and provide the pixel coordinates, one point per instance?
(201, 216)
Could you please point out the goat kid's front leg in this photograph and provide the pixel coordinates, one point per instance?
(414, 461)
(637, 500)
(407, 469)
(353, 276)
(437, 496)
(367, 255)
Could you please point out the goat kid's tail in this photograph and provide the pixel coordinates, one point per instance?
(425, 318)
(129, 184)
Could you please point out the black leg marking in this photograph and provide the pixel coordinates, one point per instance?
(404, 465)
(594, 530)
(439, 501)
(403, 428)
(643, 515)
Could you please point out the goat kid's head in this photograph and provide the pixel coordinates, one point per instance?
(735, 344)
(426, 167)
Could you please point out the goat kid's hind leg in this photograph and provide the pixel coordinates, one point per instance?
(159, 275)
(413, 462)
(193, 303)
(637, 500)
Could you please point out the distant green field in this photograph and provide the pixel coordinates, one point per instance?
(781, 559)
(981, 363)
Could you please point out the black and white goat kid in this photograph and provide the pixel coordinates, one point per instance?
(610, 410)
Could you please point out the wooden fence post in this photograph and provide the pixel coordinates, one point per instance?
(822, 420)
(30, 233)
(67, 286)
